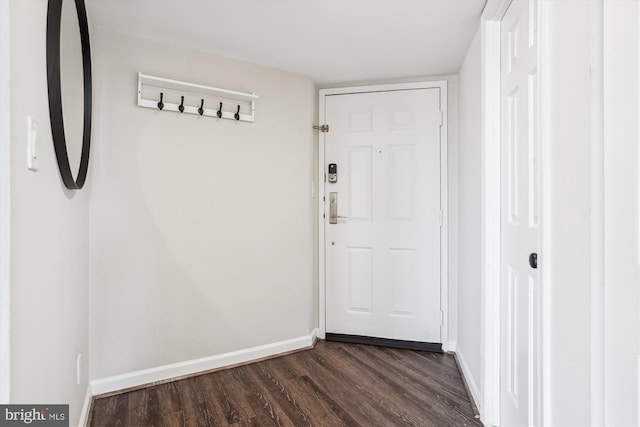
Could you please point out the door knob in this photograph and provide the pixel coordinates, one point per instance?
(533, 260)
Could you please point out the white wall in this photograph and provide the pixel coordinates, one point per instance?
(566, 254)
(622, 296)
(50, 238)
(468, 345)
(569, 374)
(202, 231)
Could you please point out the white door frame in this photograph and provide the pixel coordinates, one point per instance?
(5, 200)
(444, 232)
(490, 342)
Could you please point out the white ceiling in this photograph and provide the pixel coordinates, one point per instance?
(330, 41)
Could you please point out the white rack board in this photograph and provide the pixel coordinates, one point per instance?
(200, 91)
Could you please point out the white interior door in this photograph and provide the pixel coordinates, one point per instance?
(520, 293)
(382, 254)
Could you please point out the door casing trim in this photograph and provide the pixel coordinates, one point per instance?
(444, 231)
(489, 404)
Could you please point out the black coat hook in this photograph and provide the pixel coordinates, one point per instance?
(181, 106)
(161, 104)
(201, 109)
(237, 114)
(219, 113)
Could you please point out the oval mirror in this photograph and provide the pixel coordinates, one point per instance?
(69, 85)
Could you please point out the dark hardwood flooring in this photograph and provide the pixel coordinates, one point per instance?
(331, 385)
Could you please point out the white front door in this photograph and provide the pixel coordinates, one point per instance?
(520, 293)
(382, 249)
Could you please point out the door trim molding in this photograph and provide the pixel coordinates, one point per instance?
(5, 203)
(444, 231)
(597, 349)
(490, 234)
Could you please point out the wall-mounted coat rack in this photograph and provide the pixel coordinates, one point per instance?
(169, 95)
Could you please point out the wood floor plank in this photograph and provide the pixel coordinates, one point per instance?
(334, 384)
(452, 380)
(348, 388)
(373, 387)
(414, 390)
(264, 404)
(385, 390)
(281, 392)
(156, 415)
(138, 401)
(228, 406)
(194, 405)
(320, 407)
(418, 383)
(335, 409)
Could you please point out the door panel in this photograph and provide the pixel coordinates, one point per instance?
(520, 301)
(359, 173)
(383, 254)
(361, 280)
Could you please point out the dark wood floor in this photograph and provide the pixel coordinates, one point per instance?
(333, 384)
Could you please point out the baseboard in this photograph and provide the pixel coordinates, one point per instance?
(190, 367)
(86, 407)
(451, 346)
(474, 391)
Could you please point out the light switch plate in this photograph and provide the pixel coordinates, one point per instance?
(32, 144)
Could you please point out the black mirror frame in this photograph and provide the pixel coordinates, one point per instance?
(54, 17)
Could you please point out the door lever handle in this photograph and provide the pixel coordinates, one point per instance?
(333, 208)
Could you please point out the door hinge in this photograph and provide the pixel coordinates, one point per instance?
(441, 118)
(441, 318)
(441, 218)
(323, 128)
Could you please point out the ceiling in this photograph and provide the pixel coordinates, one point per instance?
(330, 41)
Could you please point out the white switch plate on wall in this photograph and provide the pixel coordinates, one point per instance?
(32, 147)
(78, 368)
